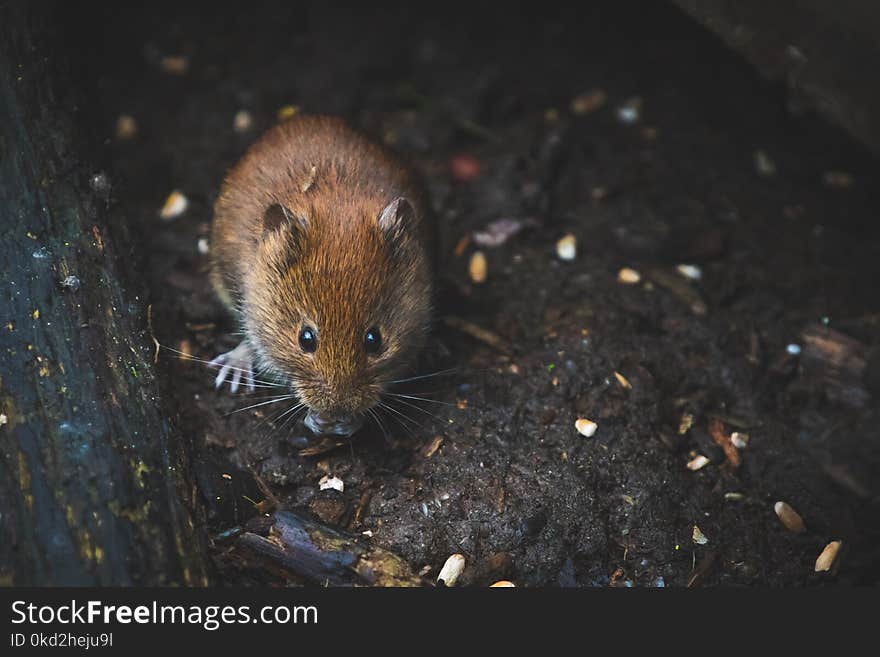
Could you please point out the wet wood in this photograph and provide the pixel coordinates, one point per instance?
(298, 548)
(92, 480)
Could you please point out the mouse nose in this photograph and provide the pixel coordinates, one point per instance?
(338, 424)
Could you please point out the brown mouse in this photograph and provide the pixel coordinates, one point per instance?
(322, 248)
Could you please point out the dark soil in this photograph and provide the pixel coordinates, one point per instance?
(512, 485)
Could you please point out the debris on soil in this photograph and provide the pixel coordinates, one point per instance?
(174, 206)
(451, 570)
(499, 231)
(680, 288)
(477, 267)
(838, 361)
(740, 440)
(789, 517)
(502, 584)
(566, 247)
(623, 381)
(332, 483)
(585, 427)
(699, 537)
(724, 441)
(697, 463)
(478, 332)
(829, 555)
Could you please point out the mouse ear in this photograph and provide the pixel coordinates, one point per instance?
(277, 216)
(395, 219)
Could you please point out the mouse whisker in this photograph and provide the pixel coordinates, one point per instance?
(424, 399)
(280, 398)
(418, 408)
(426, 376)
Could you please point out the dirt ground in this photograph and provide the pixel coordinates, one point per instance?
(668, 367)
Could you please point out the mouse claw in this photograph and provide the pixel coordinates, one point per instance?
(238, 362)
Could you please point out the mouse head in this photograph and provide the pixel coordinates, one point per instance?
(338, 304)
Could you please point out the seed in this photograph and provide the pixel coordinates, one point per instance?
(566, 248)
(588, 102)
(789, 517)
(734, 497)
(503, 584)
(175, 205)
(630, 112)
(628, 276)
(765, 166)
(477, 267)
(287, 112)
(739, 440)
(585, 427)
(699, 537)
(697, 463)
(828, 556)
(837, 179)
(451, 570)
(622, 380)
(175, 64)
(690, 271)
(243, 121)
(334, 483)
(126, 127)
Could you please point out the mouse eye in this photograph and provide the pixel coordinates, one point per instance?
(373, 341)
(308, 341)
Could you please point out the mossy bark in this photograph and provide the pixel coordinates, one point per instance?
(94, 485)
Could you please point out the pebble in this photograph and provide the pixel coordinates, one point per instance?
(828, 557)
(585, 427)
(477, 268)
(175, 205)
(628, 276)
(793, 349)
(334, 483)
(203, 245)
(789, 517)
(3, 419)
(697, 463)
(451, 570)
(566, 248)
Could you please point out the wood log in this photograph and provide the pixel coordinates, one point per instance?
(93, 482)
(296, 547)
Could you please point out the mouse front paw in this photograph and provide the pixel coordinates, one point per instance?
(236, 365)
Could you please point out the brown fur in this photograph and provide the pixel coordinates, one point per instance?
(330, 266)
